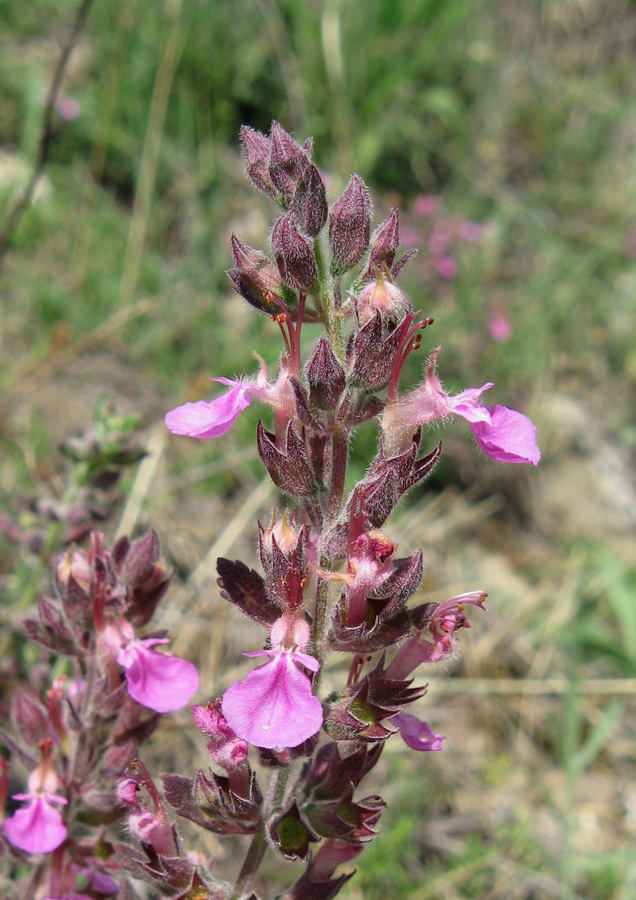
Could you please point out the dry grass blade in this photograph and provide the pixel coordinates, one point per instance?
(33, 374)
(537, 686)
(143, 481)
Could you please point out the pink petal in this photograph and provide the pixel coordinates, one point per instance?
(511, 437)
(309, 662)
(274, 705)
(466, 405)
(416, 734)
(209, 420)
(37, 828)
(160, 682)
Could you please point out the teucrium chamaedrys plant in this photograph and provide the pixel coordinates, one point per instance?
(331, 583)
(331, 580)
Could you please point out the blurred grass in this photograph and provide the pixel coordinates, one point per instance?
(518, 115)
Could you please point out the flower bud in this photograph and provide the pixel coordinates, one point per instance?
(73, 563)
(139, 560)
(310, 202)
(150, 826)
(294, 254)
(226, 749)
(384, 245)
(254, 276)
(283, 532)
(256, 265)
(325, 376)
(256, 148)
(384, 297)
(250, 291)
(288, 162)
(28, 715)
(349, 225)
(290, 470)
(371, 355)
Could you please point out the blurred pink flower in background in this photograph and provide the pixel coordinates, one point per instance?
(438, 241)
(499, 329)
(68, 108)
(446, 267)
(470, 232)
(426, 205)
(631, 241)
(410, 237)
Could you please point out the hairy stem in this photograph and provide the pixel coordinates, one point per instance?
(252, 861)
(340, 450)
(258, 847)
(320, 619)
(332, 322)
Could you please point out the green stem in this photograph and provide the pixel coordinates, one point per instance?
(252, 861)
(332, 322)
(258, 847)
(340, 451)
(320, 620)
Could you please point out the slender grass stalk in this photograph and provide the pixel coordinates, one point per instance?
(150, 156)
(46, 136)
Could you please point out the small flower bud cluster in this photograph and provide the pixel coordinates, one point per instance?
(99, 456)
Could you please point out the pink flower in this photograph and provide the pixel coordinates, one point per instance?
(274, 706)
(210, 420)
(38, 826)
(68, 108)
(425, 205)
(225, 748)
(504, 434)
(416, 734)
(156, 680)
(447, 618)
(438, 241)
(509, 437)
(428, 403)
(470, 232)
(446, 267)
(499, 329)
